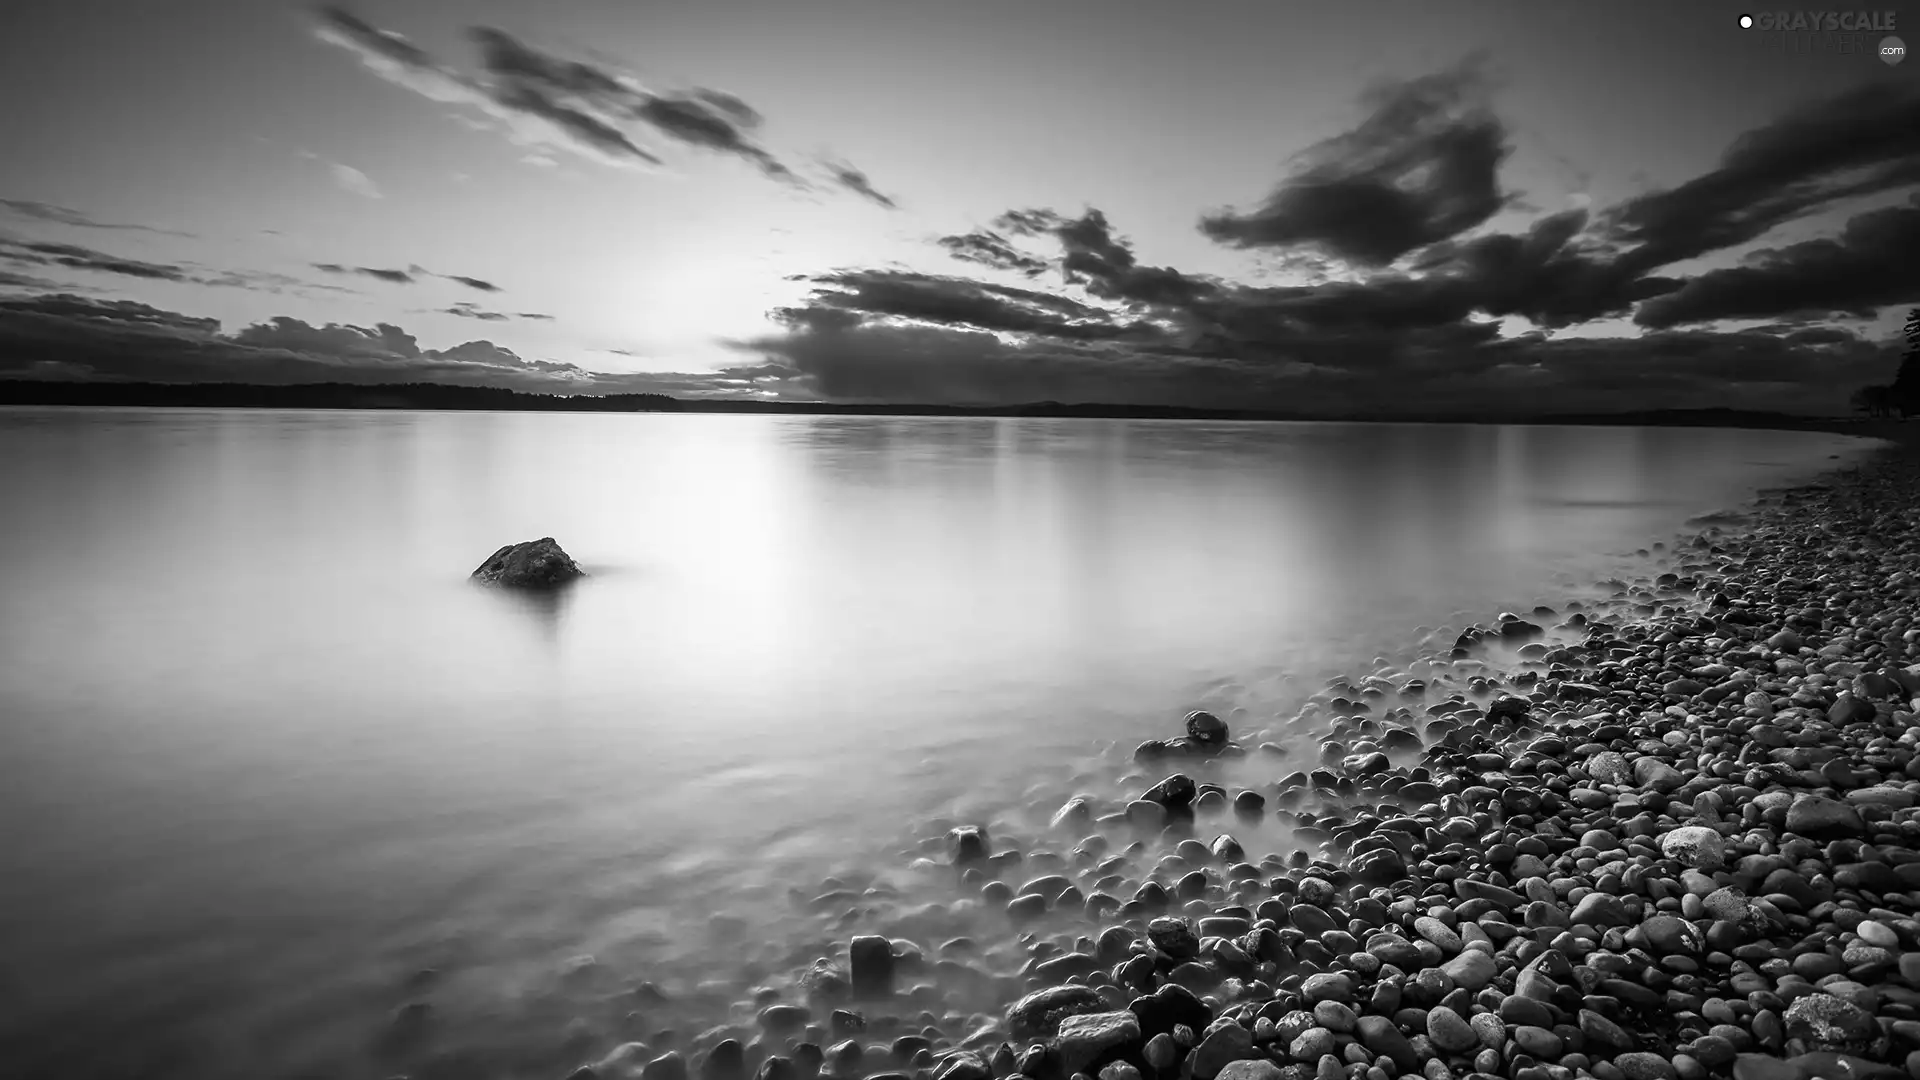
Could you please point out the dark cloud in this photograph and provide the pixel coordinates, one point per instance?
(1422, 168)
(468, 311)
(472, 311)
(532, 102)
(857, 182)
(860, 360)
(1028, 222)
(90, 260)
(990, 249)
(951, 301)
(1093, 257)
(76, 257)
(62, 215)
(582, 106)
(693, 120)
(505, 56)
(1570, 267)
(343, 27)
(393, 277)
(1460, 368)
(1860, 142)
(70, 336)
(266, 281)
(582, 126)
(1873, 263)
(409, 276)
(730, 105)
(1105, 264)
(11, 280)
(1423, 337)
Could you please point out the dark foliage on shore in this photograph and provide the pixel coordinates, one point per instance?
(439, 397)
(1904, 394)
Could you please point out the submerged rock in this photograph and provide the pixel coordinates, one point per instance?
(533, 564)
(1039, 1014)
(1206, 730)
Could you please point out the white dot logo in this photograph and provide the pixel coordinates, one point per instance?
(1892, 50)
(1746, 22)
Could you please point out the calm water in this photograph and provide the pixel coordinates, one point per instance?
(267, 753)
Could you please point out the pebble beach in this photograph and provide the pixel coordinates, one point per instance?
(1667, 832)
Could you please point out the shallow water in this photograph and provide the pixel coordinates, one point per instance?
(269, 755)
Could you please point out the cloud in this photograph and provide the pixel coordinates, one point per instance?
(730, 105)
(76, 257)
(468, 310)
(1422, 168)
(394, 58)
(1873, 263)
(602, 100)
(1460, 368)
(582, 128)
(353, 180)
(1408, 318)
(393, 277)
(528, 114)
(541, 98)
(693, 120)
(70, 336)
(62, 215)
(899, 294)
(409, 276)
(90, 260)
(12, 280)
(1860, 142)
(857, 182)
(990, 249)
(1579, 264)
(1092, 257)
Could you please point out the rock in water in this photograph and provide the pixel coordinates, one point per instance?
(1039, 1014)
(870, 959)
(968, 844)
(1090, 1038)
(534, 564)
(1206, 730)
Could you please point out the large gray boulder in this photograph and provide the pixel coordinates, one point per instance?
(534, 564)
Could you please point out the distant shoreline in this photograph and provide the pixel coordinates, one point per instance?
(432, 397)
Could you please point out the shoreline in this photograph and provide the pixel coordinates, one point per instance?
(1669, 836)
(332, 397)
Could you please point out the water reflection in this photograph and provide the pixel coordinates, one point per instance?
(272, 754)
(545, 609)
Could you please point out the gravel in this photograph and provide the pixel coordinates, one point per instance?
(1670, 834)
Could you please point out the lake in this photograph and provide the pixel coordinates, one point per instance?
(275, 769)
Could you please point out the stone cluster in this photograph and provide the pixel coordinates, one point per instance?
(1666, 833)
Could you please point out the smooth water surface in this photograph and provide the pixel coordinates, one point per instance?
(268, 753)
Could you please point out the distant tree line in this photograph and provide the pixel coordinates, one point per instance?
(1902, 398)
(321, 396)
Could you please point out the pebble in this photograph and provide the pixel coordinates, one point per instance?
(1449, 1031)
(1668, 834)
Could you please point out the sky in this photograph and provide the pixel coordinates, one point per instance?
(1347, 207)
